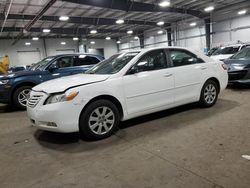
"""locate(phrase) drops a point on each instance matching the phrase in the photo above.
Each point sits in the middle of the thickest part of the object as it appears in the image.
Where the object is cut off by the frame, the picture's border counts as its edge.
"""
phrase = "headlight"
(3, 82)
(239, 67)
(61, 97)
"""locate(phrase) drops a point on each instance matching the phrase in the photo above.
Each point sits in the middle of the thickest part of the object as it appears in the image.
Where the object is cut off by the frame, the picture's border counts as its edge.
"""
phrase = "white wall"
(225, 31)
(53, 47)
(231, 30)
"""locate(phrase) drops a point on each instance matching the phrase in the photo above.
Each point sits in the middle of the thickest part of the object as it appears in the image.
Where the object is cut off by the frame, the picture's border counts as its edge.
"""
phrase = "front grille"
(237, 75)
(34, 100)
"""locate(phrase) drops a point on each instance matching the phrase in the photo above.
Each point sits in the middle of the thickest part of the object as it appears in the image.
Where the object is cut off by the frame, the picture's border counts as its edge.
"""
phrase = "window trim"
(184, 50)
(137, 61)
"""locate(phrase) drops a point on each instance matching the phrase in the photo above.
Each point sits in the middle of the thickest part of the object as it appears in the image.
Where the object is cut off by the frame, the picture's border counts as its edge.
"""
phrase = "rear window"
(227, 50)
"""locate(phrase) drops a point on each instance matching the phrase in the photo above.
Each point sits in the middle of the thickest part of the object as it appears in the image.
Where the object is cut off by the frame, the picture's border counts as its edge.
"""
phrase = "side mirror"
(53, 67)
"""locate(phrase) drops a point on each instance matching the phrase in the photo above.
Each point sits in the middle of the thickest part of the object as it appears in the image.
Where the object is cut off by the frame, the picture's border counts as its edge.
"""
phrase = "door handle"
(203, 68)
(168, 74)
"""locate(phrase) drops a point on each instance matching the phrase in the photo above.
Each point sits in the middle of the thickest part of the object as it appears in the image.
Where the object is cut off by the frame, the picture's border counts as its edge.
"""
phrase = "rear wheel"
(99, 120)
(21, 97)
(209, 94)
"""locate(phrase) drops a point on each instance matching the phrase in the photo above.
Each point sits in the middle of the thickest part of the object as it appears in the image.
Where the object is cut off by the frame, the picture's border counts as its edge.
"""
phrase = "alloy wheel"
(24, 96)
(101, 120)
(210, 93)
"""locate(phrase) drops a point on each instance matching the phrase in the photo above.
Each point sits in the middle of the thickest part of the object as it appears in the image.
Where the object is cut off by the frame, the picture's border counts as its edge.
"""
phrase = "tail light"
(224, 66)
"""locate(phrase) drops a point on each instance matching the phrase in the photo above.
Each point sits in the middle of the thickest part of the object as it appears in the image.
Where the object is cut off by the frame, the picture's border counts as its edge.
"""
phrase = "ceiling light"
(130, 32)
(160, 23)
(27, 43)
(242, 12)
(63, 43)
(75, 38)
(35, 38)
(118, 42)
(160, 32)
(209, 9)
(92, 42)
(193, 24)
(46, 30)
(164, 3)
(93, 31)
(136, 37)
(108, 38)
(119, 21)
(63, 18)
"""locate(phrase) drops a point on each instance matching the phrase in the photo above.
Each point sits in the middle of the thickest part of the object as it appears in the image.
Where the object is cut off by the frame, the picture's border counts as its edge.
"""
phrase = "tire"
(95, 127)
(209, 94)
(19, 94)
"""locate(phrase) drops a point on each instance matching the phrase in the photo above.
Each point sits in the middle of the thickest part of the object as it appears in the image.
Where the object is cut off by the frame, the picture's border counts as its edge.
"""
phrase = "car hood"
(21, 73)
(61, 84)
(237, 61)
(221, 56)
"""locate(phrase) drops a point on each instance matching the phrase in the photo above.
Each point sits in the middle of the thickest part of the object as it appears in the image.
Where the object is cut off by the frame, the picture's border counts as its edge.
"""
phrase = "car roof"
(69, 54)
(156, 48)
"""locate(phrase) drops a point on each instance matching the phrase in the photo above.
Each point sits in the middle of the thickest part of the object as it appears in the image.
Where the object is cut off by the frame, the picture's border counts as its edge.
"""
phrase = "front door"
(150, 85)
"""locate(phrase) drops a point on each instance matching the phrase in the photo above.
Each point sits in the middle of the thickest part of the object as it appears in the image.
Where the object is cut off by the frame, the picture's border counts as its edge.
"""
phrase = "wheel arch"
(111, 98)
(216, 80)
(20, 85)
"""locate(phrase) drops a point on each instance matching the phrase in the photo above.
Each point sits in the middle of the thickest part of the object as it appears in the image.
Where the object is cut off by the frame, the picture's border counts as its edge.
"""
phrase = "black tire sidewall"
(15, 97)
(203, 102)
(84, 128)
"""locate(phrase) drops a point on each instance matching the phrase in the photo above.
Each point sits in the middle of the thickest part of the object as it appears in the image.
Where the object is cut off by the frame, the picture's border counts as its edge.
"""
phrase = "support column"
(169, 34)
(208, 32)
(141, 40)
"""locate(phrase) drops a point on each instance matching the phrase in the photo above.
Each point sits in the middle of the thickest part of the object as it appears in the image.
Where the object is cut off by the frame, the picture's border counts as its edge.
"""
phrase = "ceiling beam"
(68, 31)
(128, 5)
(78, 20)
(33, 21)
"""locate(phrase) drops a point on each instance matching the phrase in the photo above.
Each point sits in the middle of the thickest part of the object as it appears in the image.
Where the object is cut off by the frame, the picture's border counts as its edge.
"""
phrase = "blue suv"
(15, 87)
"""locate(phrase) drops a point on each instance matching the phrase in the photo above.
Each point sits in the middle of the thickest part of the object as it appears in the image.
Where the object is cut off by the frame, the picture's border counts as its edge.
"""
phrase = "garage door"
(28, 57)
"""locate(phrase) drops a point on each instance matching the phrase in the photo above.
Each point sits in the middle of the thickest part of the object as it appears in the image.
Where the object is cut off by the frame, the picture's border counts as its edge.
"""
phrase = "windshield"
(226, 50)
(242, 55)
(210, 52)
(113, 64)
(41, 64)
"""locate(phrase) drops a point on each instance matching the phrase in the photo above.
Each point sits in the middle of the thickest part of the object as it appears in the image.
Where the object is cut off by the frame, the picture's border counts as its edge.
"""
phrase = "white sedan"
(125, 86)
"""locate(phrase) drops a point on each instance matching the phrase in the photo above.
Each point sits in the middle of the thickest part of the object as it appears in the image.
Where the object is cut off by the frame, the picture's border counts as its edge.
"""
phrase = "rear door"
(151, 86)
(188, 75)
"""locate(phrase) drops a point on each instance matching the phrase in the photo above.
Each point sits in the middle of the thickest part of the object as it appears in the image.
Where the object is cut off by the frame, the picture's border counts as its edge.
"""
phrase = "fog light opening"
(51, 124)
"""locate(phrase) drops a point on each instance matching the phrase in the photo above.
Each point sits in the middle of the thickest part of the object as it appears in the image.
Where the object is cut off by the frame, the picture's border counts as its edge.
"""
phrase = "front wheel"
(209, 94)
(99, 120)
(21, 97)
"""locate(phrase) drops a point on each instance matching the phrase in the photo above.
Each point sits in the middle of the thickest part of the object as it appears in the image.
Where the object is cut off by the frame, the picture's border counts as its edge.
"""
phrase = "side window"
(63, 62)
(183, 57)
(85, 60)
(152, 60)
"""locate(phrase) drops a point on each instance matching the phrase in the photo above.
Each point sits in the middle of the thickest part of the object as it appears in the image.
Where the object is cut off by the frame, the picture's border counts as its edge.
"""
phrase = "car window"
(244, 54)
(85, 60)
(153, 60)
(63, 62)
(227, 50)
(183, 57)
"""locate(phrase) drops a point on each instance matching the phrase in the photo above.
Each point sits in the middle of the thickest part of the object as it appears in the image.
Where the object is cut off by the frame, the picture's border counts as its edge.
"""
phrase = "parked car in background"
(226, 52)
(239, 67)
(211, 51)
(15, 87)
(125, 86)
(18, 68)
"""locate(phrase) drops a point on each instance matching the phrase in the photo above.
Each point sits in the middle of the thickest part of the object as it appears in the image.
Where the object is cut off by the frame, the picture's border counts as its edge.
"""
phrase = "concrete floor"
(183, 147)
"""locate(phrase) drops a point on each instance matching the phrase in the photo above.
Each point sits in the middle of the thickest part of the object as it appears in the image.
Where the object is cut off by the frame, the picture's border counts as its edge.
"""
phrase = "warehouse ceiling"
(28, 18)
